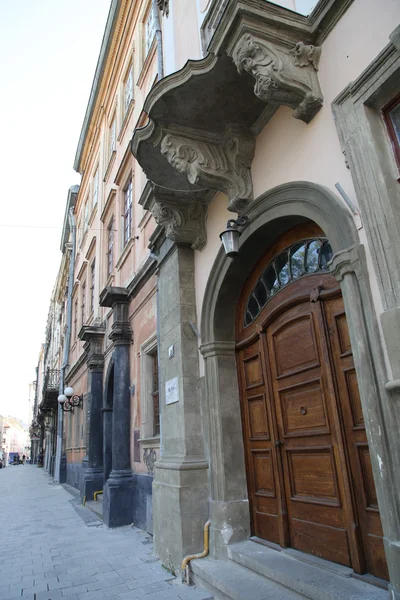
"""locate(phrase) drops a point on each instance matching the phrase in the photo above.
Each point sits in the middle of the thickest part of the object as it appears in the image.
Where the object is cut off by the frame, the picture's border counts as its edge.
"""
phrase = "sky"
(48, 56)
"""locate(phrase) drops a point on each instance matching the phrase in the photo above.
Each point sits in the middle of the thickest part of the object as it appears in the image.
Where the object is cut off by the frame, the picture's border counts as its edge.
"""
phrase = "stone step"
(315, 578)
(226, 580)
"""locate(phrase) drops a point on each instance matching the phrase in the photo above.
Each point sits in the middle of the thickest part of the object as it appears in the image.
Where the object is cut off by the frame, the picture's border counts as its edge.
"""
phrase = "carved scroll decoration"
(182, 223)
(282, 77)
(223, 165)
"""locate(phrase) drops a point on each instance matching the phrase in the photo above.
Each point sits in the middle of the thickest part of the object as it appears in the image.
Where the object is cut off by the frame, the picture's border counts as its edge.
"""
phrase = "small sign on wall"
(172, 391)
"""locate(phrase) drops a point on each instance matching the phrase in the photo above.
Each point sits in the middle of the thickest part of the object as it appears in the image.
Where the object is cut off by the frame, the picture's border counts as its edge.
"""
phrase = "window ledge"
(110, 165)
(151, 442)
(147, 62)
(126, 120)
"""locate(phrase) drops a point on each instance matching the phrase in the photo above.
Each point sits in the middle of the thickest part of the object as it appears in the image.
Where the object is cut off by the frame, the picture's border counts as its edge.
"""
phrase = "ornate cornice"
(282, 77)
(93, 335)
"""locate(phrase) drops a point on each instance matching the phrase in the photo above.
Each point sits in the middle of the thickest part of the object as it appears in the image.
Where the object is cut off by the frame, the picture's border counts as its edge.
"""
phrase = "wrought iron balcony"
(50, 388)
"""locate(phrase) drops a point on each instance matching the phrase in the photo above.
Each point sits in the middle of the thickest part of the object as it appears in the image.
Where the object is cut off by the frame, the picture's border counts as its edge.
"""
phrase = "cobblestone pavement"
(52, 549)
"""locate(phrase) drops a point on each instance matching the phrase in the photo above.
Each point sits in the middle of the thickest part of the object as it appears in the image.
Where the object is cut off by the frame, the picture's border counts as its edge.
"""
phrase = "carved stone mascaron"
(282, 77)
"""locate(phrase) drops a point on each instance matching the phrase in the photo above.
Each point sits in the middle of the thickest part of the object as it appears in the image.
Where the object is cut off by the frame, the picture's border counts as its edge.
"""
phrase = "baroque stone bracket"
(283, 76)
(220, 163)
(183, 217)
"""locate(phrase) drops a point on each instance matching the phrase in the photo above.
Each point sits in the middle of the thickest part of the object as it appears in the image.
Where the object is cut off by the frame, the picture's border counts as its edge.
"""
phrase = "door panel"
(262, 469)
(309, 472)
(313, 470)
(368, 522)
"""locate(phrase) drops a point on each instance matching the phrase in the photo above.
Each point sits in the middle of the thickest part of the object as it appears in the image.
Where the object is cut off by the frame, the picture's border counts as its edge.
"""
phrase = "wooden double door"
(308, 464)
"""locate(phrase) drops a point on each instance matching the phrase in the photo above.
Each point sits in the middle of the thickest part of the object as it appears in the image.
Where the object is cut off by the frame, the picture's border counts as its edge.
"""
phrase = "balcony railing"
(50, 386)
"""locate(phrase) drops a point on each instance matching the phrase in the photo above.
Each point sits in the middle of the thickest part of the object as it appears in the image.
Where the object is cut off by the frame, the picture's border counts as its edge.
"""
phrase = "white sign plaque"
(172, 391)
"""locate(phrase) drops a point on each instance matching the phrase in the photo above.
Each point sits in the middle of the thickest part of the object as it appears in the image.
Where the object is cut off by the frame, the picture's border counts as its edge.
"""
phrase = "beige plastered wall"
(289, 150)
(143, 320)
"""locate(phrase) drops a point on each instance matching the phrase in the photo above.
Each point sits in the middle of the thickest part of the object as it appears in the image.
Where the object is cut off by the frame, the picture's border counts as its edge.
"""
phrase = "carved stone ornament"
(282, 76)
(163, 6)
(182, 223)
(218, 164)
(149, 459)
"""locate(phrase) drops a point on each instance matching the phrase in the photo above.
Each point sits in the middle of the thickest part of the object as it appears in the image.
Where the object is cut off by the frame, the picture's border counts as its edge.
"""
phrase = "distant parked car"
(13, 458)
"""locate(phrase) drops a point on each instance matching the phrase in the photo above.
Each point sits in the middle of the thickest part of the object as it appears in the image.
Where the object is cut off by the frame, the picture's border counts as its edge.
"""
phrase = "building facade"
(258, 390)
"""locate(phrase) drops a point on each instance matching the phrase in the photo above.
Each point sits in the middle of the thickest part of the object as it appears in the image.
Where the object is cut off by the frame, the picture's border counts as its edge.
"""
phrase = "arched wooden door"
(308, 465)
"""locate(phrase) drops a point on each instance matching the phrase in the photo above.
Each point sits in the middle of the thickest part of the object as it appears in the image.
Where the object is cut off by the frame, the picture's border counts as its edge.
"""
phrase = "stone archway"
(270, 216)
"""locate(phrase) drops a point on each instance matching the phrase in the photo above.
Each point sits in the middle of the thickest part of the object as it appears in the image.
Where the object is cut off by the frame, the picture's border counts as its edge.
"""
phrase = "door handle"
(278, 443)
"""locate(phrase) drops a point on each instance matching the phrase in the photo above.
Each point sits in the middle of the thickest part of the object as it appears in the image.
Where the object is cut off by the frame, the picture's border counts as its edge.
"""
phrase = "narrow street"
(53, 548)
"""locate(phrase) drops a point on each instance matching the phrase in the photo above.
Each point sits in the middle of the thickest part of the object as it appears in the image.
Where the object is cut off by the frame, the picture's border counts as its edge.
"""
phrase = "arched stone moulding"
(270, 215)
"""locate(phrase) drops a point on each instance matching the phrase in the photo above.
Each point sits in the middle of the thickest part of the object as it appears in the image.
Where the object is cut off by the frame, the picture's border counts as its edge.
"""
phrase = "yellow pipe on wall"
(97, 494)
(187, 559)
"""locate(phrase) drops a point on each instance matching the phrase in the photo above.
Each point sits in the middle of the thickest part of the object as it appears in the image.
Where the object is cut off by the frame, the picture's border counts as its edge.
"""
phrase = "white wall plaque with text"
(172, 391)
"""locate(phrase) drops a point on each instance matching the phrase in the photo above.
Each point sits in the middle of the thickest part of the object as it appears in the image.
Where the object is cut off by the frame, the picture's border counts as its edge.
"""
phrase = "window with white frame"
(128, 212)
(112, 140)
(128, 89)
(92, 282)
(110, 247)
(83, 303)
(75, 319)
(95, 194)
(149, 31)
(149, 395)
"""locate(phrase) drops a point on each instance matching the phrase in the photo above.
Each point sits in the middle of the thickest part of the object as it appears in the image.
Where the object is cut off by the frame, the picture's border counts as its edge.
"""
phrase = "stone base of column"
(92, 482)
(118, 499)
(63, 469)
(392, 550)
(230, 523)
(180, 510)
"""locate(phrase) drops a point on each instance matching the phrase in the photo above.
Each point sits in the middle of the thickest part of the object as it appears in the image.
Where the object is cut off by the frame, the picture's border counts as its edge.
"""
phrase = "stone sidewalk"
(51, 548)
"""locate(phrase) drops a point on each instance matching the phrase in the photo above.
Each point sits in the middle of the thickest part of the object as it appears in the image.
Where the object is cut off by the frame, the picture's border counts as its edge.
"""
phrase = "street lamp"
(230, 237)
(68, 400)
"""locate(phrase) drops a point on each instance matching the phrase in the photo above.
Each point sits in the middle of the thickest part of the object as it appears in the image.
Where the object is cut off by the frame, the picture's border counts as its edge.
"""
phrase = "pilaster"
(118, 489)
(180, 486)
(93, 336)
(381, 415)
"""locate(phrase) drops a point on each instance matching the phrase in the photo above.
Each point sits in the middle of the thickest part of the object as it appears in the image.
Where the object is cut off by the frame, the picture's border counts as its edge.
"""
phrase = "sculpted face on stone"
(179, 155)
(282, 76)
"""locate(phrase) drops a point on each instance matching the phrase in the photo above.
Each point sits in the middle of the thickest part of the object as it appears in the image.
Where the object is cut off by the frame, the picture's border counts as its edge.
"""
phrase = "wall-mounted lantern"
(68, 400)
(230, 237)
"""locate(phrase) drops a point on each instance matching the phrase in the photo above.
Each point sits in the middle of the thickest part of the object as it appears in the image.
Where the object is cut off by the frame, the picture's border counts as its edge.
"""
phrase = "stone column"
(229, 505)
(380, 412)
(118, 490)
(93, 476)
(180, 485)
(107, 441)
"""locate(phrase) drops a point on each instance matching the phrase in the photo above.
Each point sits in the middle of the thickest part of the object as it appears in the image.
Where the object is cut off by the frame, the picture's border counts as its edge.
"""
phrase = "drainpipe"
(157, 23)
(60, 422)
